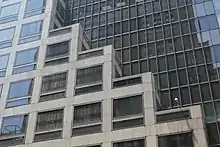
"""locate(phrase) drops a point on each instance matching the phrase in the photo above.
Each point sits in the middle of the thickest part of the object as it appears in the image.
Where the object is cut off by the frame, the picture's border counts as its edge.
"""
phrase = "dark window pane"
(133, 143)
(127, 106)
(173, 79)
(87, 113)
(212, 133)
(195, 94)
(179, 140)
(54, 82)
(56, 50)
(182, 77)
(49, 120)
(89, 75)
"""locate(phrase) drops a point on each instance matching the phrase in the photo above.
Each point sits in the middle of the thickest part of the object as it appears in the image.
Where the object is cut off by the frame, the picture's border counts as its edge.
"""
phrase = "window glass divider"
(53, 91)
(128, 117)
(87, 124)
(48, 131)
(57, 57)
(88, 85)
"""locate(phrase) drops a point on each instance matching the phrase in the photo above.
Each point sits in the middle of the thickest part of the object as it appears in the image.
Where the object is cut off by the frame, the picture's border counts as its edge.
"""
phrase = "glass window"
(215, 36)
(34, 7)
(6, 37)
(87, 119)
(51, 124)
(3, 64)
(49, 120)
(57, 53)
(25, 60)
(200, 10)
(87, 113)
(178, 140)
(21, 90)
(89, 75)
(127, 106)
(14, 124)
(212, 133)
(9, 13)
(173, 79)
(133, 143)
(163, 80)
(54, 82)
(30, 32)
(183, 79)
(209, 8)
(215, 53)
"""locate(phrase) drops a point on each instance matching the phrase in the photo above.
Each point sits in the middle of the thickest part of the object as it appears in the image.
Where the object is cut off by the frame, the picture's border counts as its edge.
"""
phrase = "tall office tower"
(177, 40)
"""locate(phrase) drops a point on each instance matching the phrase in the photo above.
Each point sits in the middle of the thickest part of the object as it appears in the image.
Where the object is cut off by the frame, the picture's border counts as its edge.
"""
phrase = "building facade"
(48, 97)
(56, 91)
(177, 40)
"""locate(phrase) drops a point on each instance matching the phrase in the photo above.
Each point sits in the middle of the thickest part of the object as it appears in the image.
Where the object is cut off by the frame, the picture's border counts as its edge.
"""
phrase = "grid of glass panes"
(177, 40)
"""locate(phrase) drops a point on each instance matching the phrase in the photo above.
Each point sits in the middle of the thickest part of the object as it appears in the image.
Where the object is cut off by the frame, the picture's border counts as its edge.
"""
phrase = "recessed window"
(6, 37)
(89, 80)
(9, 13)
(131, 143)
(53, 87)
(20, 93)
(3, 64)
(89, 75)
(174, 116)
(178, 140)
(49, 125)
(34, 7)
(87, 119)
(57, 53)
(25, 61)
(127, 112)
(14, 129)
(30, 32)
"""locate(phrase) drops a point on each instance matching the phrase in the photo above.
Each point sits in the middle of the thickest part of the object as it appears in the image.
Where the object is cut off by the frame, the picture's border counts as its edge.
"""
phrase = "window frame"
(4, 69)
(168, 136)
(129, 140)
(50, 130)
(21, 136)
(10, 41)
(128, 117)
(34, 12)
(31, 37)
(89, 83)
(94, 84)
(12, 17)
(56, 90)
(88, 123)
(59, 57)
(26, 64)
(18, 98)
